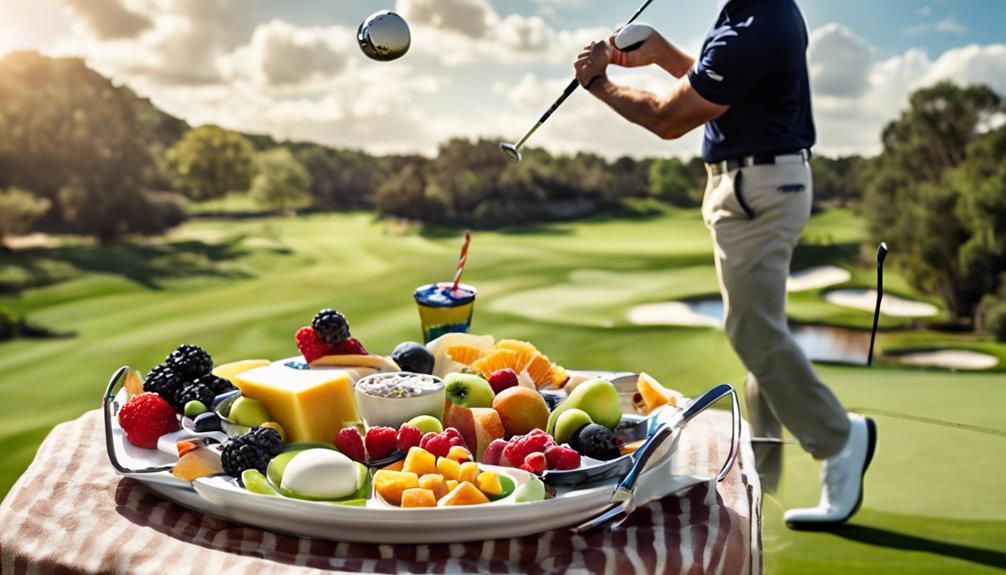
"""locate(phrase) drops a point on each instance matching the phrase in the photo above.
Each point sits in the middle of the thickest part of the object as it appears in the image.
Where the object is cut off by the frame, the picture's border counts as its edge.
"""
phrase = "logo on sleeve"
(718, 37)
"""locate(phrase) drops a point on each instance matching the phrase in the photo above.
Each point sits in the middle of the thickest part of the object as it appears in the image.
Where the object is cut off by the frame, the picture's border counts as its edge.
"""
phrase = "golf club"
(881, 255)
(633, 38)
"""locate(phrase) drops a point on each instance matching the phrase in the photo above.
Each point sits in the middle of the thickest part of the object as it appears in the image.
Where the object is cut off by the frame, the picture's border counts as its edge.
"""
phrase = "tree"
(937, 194)
(670, 182)
(282, 182)
(18, 212)
(208, 162)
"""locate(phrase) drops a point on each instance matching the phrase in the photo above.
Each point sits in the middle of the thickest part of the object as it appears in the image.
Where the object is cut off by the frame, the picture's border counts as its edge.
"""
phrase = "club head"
(511, 152)
(384, 36)
(881, 254)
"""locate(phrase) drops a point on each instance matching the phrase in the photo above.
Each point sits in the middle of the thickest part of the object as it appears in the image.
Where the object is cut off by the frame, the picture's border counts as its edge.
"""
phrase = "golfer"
(749, 86)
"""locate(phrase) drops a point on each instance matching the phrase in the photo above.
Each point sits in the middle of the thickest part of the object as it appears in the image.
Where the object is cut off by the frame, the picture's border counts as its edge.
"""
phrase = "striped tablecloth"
(70, 513)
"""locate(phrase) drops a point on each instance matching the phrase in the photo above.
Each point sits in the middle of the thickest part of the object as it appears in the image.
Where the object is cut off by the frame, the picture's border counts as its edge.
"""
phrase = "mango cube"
(435, 483)
(451, 484)
(469, 471)
(459, 454)
(417, 497)
(310, 404)
(391, 485)
(489, 483)
(449, 468)
(395, 466)
(464, 494)
(420, 461)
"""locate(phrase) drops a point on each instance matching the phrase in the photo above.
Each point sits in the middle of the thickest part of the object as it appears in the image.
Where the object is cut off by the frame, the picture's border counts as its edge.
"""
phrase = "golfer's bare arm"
(669, 117)
(672, 59)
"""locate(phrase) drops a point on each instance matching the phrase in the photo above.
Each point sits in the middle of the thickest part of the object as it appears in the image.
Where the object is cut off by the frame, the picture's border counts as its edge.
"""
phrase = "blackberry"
(191, 361)
(218, 385)
(596, 441)
(164, 381)
(330, 326)
(251, 450)
(193, 392)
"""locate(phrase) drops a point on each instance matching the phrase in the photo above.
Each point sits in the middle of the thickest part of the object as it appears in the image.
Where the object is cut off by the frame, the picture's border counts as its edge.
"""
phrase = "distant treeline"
(79, 154)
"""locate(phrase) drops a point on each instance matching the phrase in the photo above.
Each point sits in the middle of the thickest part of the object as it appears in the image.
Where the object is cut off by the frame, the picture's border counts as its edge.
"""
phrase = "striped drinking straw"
(462, 260)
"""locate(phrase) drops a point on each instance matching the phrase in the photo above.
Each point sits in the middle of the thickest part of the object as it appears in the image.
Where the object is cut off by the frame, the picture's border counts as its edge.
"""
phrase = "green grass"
(241, 288)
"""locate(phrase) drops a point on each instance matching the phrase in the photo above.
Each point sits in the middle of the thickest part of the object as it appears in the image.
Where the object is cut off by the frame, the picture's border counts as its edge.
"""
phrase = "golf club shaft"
(881, 256)
(572, 86)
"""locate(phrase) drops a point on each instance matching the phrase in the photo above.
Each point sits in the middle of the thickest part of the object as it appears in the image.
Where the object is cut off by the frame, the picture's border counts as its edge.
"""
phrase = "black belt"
(727, 166)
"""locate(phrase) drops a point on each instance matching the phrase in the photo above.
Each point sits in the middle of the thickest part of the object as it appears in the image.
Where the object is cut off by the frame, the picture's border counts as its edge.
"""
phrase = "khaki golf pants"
(756, 215)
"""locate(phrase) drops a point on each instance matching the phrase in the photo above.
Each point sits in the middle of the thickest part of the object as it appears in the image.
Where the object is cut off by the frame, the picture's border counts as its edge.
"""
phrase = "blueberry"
(552, 400)
(414, 357)
(596, 441)
(207, 422)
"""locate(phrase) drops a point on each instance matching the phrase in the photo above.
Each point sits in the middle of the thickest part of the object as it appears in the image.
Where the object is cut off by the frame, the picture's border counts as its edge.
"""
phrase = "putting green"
(241, 289)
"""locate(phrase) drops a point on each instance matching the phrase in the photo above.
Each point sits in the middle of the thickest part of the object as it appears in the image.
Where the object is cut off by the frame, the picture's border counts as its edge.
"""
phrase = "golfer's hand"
(645, 55)
(592, 62)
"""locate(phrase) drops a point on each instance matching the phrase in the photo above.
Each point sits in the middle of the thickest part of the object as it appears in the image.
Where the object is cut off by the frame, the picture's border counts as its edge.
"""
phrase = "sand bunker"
(892, 306)
(817, 277)
(673, 313)
(949, 359)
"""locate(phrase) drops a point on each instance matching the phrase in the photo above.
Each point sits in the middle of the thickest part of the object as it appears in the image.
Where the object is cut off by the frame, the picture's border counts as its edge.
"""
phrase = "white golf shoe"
(841, 480)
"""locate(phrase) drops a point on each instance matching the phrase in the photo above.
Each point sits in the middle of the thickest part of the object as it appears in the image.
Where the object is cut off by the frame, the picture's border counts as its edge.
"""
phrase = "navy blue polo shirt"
(754, 59)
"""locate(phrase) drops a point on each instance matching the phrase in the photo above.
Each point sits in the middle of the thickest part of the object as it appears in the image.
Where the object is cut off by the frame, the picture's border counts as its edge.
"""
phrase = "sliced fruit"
(469, 471)
(451, 484)
(654, 395)
(464, 354)
(525, 352)
(418, 497)
(186, 446)
(254, 481)
(443, 364)
(235, 368)
(478, 426)
(379, 362)
(133, 383)
(449, 468)
(396, 466)
(540, 370)
(558, 376)
(392, 484)
(196, 464)
(459, 454)
(464, 494)
(533, 490)
(494, 361)
(632, 446)
(488, 482)
(420, 461)
(435, 483)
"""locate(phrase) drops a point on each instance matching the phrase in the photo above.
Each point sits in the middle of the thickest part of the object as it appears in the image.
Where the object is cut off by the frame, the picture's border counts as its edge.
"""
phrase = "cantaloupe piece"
(451, 484)
(420, 461)
(449, 468)
(392, 484)
(489, 483)
(418, 497)
(469, 471)
(435, 483)
(196, 464)
(459, 454)
(464, 494)
(654, 395)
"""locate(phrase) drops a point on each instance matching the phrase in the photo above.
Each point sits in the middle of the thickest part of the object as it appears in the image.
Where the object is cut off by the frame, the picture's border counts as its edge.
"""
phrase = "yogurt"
(391, 399)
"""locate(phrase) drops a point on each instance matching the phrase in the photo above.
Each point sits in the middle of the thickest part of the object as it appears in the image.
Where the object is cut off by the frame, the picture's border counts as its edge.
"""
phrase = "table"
(69, 513)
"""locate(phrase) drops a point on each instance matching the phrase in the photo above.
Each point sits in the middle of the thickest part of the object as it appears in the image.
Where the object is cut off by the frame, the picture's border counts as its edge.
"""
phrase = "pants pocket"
(739, 194)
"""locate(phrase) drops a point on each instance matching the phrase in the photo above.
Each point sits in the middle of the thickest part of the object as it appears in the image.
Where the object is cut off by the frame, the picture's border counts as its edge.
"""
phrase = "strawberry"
(145, 418)
(520, 446)
(381, 442)
(350, 443)
(503, 379)
(562, 457)
(310, 346)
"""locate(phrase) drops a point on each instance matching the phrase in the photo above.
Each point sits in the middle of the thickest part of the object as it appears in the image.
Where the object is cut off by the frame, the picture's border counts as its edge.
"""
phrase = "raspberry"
(535, 463)
(491, 456)
(440, 444)
(520, 446)
(309, 345)
(331, 326)
(349, 442)
(503, 379)
(408, 436)
(145, 418)
(380, 442)
(562, 457)
(351, 346)
(452, 432)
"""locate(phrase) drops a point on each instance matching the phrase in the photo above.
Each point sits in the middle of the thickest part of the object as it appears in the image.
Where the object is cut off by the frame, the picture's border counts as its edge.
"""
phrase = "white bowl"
(394, 411)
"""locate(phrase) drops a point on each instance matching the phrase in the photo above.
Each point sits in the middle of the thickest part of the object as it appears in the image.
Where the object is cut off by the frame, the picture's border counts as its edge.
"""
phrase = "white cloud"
(840, 61)
(282, 54)
(950, 25)
(109, 19)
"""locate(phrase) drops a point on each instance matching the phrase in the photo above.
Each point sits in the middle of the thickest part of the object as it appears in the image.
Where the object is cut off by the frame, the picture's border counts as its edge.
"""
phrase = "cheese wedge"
(311, 405)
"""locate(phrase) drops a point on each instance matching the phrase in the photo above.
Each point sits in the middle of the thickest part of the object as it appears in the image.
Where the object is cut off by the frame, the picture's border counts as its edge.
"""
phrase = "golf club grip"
(565, 94)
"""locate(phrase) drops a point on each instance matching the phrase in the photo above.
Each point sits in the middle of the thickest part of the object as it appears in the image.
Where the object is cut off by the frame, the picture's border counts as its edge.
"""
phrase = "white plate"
(375, 522)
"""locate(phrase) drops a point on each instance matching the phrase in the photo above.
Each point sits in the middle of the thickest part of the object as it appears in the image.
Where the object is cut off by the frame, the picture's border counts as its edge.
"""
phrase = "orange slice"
(525, 352)
(464, 354)
(494, 361)
(540, 369)
(558, 375)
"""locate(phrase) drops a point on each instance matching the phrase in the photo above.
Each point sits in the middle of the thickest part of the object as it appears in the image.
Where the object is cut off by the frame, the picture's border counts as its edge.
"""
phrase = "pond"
(819, 342)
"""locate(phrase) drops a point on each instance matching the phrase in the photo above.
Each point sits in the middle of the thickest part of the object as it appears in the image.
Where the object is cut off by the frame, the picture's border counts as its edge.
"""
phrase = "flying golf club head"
(384, 36)
(881, 253)
(511, 152)
(632, 36)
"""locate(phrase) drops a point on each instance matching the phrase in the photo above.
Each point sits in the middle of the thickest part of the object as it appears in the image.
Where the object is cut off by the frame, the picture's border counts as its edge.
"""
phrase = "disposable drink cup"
(443, 309)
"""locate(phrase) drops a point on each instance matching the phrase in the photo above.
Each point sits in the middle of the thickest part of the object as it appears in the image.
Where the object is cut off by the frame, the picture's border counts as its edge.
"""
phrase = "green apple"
(248, 411)
(468, 390)
(568, 422)
(533, 490)
(598, 398)
(254, 481)
(426, 424)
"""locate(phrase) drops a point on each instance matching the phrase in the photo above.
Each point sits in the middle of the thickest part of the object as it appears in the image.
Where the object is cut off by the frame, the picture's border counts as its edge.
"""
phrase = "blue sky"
(484, 67)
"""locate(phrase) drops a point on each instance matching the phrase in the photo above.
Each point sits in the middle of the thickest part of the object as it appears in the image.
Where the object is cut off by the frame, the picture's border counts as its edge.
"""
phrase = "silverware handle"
(643, 455)
(702, 403)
